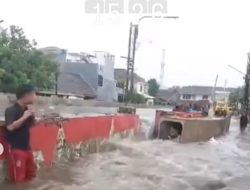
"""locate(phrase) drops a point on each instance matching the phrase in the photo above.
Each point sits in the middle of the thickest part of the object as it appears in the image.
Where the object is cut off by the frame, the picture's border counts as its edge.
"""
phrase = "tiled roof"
(70, 83)
(120, 76)
(202, 90)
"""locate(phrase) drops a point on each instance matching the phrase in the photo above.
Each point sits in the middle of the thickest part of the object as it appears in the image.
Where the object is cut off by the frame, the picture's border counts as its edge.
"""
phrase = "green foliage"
(135, 99)
(121, 84)
(236, 96)
(153, 87)
(21, 62)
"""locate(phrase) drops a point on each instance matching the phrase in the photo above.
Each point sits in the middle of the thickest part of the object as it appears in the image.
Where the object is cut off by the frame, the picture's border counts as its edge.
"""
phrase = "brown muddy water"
(142, 164)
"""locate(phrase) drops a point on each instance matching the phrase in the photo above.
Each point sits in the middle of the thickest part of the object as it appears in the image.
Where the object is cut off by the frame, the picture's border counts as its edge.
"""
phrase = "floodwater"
(141, 164)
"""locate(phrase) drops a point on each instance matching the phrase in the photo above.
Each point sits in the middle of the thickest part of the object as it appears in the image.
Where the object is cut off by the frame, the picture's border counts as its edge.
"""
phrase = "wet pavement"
(141, 164)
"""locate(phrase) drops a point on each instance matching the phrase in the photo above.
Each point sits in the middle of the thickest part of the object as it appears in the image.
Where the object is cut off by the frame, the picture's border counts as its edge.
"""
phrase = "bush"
(136, 99)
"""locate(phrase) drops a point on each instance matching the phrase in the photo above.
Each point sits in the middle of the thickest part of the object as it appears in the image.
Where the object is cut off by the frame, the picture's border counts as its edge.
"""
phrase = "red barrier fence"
(125, 122)
(82, 129)
(44, 136)
(3, 146)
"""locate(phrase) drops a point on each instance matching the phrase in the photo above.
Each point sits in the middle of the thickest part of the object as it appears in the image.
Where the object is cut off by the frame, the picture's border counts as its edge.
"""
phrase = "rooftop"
(203, 90)
(72, 83)
(120, 76)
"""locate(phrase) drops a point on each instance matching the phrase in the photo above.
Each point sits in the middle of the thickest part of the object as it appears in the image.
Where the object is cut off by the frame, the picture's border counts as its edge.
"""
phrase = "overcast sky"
(209, 35)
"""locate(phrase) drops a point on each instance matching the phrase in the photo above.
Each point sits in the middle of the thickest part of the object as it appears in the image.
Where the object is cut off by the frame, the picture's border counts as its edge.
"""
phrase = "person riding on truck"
(19, 118)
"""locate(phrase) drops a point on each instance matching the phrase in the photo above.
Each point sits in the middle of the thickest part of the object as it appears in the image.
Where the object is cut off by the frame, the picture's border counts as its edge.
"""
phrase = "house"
(56, 53)
(79, 57)
(81, 75)
(192, 94)
(73, 57)
(168, 96)
(140, 85)
(197, 93)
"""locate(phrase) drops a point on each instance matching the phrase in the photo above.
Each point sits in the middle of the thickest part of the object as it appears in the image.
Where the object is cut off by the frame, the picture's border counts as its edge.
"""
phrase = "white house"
(140, 85)
(197, 93)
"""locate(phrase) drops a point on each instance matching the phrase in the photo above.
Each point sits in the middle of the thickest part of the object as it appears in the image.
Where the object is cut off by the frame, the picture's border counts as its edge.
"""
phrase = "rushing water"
(141, 164)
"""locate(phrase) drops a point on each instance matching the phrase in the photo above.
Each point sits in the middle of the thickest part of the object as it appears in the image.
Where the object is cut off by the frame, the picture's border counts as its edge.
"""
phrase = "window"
(101, 68)
(205, 97)
(100, 80)
(141, 88)
(186, 96)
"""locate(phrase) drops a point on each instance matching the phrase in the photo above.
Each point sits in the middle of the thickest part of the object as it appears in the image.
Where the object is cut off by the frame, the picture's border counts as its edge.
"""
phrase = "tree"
(21, 62)
(121, 84)
(153, 87)
(237, 96)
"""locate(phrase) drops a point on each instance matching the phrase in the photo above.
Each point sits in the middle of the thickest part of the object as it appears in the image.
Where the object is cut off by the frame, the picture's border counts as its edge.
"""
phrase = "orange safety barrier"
(125, 122)
(3, 146)
(77, 130)
(43, 138)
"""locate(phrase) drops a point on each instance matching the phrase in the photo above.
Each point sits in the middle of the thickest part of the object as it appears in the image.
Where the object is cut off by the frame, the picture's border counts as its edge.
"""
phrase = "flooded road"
(143, 164)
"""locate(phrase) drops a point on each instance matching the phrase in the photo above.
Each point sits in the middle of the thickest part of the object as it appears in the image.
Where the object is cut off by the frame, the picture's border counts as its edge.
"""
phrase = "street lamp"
(239, 71)
(157, 17)
(133, 35)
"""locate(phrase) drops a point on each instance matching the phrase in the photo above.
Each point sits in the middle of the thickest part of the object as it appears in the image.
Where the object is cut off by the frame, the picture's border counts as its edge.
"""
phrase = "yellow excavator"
(222, 108)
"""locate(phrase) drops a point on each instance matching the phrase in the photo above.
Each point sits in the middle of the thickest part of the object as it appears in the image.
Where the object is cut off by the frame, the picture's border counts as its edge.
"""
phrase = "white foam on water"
(213, 141)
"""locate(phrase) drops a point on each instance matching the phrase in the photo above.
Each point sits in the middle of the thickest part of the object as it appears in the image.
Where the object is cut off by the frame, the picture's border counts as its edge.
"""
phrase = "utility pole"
(162, 71)
(214, 89)
(247, 78)
(133, 34)
(56, 86)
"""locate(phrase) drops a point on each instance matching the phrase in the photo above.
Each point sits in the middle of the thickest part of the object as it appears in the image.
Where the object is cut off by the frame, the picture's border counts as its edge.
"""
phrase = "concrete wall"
(107, 92)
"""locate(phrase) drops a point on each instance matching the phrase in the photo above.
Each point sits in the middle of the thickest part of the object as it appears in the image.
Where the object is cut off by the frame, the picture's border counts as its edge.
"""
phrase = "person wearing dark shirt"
(19, 118)
(243, 121)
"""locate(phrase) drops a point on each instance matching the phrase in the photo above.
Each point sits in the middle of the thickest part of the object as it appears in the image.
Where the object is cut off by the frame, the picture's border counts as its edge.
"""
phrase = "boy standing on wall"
(19, 119)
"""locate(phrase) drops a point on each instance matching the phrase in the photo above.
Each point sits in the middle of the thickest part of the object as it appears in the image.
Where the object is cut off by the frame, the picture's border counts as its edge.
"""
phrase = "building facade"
(197, 93)
(140, 85)
(85, 75)
(192, 94)
(106, 82)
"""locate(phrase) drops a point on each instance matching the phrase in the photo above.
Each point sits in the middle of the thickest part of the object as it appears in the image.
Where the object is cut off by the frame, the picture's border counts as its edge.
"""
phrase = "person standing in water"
(243, 121)
(19, 118)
